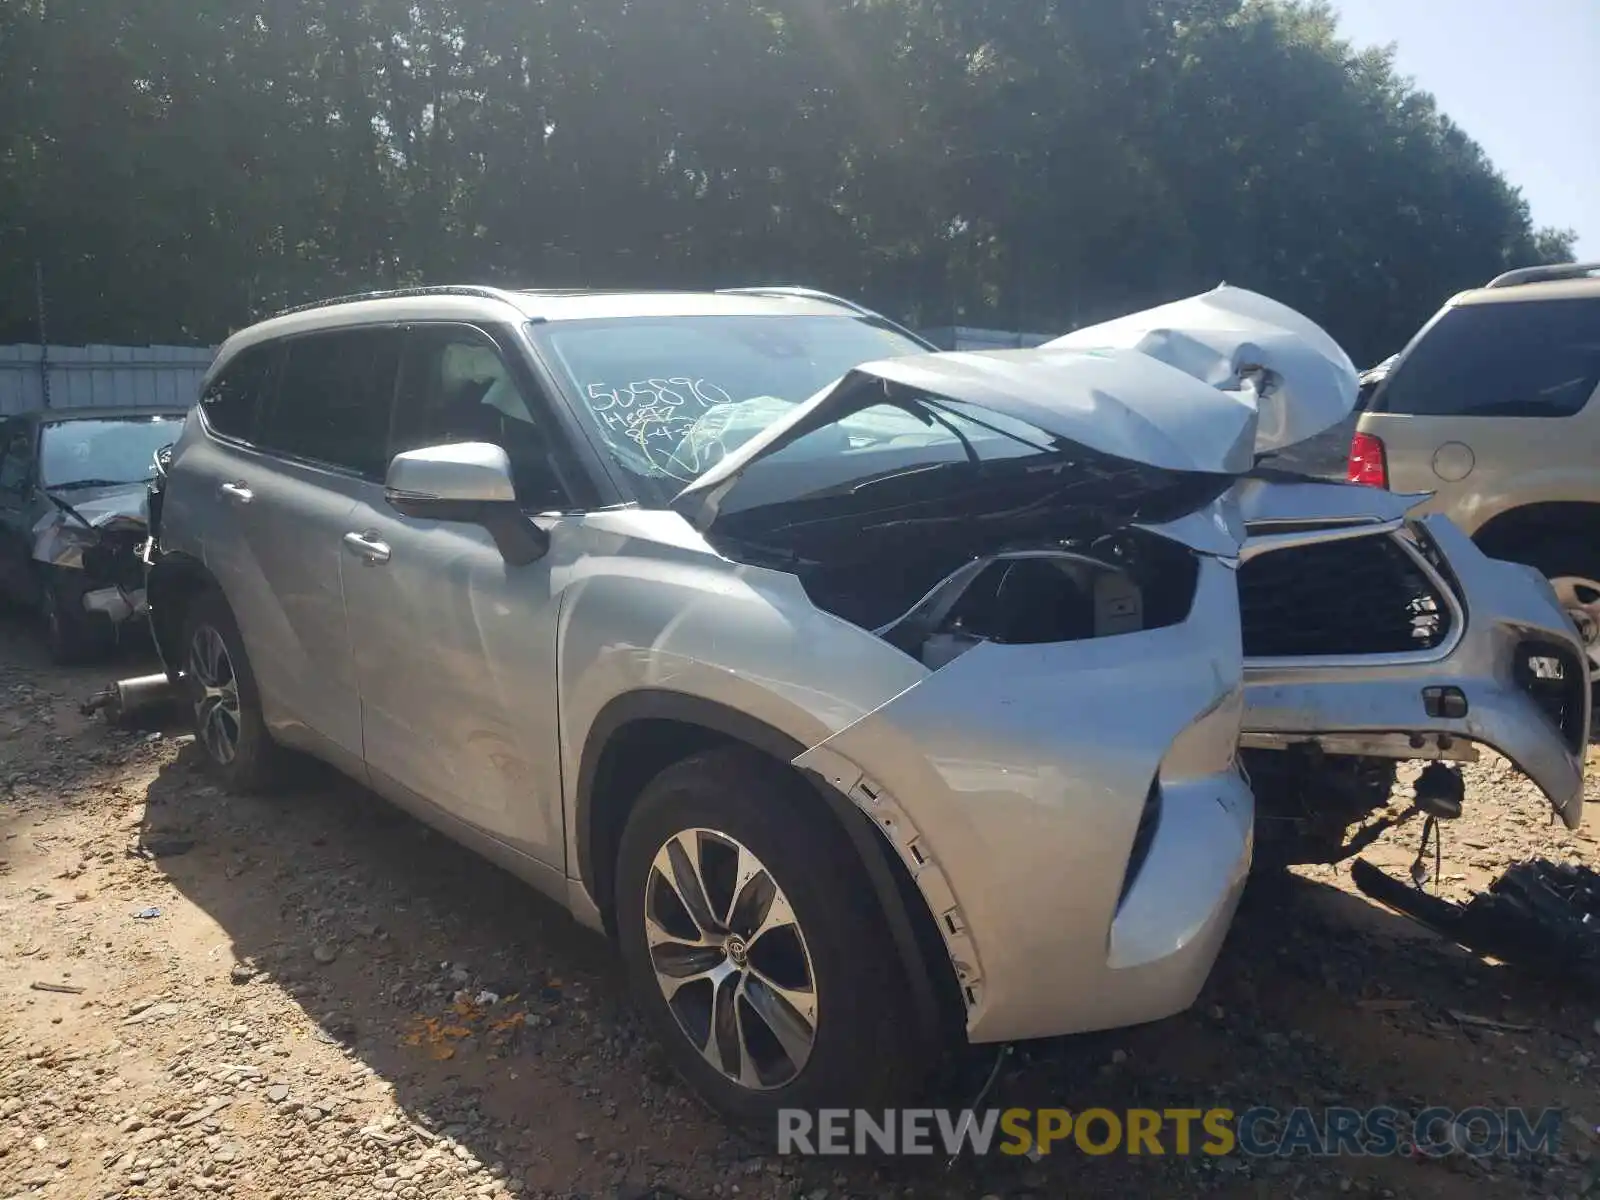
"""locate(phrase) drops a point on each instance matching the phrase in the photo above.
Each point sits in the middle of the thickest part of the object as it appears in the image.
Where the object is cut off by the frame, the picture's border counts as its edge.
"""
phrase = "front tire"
(755, 948)
(222, 692)
(72, 637)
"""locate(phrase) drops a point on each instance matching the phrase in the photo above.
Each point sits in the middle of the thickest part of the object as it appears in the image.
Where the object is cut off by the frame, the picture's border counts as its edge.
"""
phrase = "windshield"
(880, 449)
(670, 396)
(101, 452)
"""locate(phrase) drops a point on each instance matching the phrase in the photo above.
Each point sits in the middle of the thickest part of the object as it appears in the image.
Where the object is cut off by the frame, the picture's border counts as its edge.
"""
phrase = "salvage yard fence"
(64, 377)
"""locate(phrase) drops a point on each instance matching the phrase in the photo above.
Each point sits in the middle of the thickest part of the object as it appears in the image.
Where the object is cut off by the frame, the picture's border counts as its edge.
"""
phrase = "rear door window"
(333, 397)
(1539, 358)
(231, 400)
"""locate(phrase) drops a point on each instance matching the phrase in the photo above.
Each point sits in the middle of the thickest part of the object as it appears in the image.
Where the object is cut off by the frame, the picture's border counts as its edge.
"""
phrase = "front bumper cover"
(1503, 606)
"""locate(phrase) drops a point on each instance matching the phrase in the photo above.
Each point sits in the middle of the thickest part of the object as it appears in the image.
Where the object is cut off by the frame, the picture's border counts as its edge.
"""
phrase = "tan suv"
(1492, 409)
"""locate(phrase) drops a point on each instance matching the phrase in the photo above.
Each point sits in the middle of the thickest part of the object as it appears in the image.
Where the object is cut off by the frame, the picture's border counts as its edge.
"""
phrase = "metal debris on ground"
(163, 847)
(1465, 1018)
(147, 914)
(1540, 915)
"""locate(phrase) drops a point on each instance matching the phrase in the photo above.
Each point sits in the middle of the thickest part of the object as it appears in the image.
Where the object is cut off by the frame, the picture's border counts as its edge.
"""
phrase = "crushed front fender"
(1073, 814)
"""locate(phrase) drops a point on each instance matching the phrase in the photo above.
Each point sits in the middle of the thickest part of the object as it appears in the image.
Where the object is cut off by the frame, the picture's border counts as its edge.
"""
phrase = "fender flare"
(872, 849)
(171, 577)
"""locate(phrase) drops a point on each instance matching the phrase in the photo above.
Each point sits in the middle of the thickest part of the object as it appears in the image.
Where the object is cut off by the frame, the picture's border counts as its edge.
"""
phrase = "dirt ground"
(314, 997)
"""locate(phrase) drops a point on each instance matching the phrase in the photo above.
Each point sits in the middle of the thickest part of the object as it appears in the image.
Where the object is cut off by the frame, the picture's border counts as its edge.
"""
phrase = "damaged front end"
(1404, 643)
(93, 548)
(1062, 786)
(915, 481)
(1370, 636)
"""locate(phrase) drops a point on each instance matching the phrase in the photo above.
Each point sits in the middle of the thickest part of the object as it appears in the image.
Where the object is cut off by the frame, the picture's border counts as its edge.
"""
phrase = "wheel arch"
(1510, 534)
(639, 734)
(172, 584)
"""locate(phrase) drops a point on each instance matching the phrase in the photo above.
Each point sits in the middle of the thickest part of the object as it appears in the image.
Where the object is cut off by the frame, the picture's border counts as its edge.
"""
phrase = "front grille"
(1553, 676)
(1358, 596)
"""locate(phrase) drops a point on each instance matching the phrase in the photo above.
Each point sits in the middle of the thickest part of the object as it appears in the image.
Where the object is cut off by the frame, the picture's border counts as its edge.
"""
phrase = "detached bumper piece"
(1493, 660)
(117, 605)
(1538, 915)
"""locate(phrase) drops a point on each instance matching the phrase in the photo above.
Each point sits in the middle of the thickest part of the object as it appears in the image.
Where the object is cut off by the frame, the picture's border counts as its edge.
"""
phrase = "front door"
(454, 649)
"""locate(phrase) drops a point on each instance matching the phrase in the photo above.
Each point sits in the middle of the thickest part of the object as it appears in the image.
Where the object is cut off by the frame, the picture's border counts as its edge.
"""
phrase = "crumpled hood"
(102, 506)
(1116, 402)
(1268, 355)
(58, 536)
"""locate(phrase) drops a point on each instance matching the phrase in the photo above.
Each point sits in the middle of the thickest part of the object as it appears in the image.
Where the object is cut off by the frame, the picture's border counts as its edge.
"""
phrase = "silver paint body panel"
(1010, 781)
(468, 690)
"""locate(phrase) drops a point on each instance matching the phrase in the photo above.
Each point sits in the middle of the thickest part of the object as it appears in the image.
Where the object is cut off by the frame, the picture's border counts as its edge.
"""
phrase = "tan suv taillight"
(1368, 463)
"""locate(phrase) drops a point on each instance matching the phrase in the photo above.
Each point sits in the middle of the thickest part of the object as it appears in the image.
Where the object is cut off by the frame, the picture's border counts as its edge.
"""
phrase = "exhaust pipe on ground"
(123, 699)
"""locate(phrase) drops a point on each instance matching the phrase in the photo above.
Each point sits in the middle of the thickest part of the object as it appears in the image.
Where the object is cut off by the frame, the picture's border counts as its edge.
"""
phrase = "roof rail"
(1544, 274)
(482, 292)
(801, 293)
(805, 293)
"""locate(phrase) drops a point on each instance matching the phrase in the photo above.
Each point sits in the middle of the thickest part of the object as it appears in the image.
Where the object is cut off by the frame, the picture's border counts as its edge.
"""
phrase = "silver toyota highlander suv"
(866, 696)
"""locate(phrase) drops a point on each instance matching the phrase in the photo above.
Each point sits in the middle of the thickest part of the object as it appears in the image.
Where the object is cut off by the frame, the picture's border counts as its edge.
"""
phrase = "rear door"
(315, 450)
(1493, 401)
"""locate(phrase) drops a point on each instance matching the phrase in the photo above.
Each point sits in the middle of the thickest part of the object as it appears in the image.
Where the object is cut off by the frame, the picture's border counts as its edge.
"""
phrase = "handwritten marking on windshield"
(654, 392)
(684, 454)
(667, 420)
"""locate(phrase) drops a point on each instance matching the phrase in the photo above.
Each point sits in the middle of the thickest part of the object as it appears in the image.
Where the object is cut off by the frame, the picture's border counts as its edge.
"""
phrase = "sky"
(1522, 77)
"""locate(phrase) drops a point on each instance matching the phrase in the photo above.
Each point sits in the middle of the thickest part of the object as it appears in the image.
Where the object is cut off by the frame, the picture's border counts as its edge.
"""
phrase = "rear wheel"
(755, 948)
(221, 690)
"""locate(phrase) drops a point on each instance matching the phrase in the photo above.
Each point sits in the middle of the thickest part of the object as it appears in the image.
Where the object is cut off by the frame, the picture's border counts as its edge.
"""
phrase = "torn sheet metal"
(1285, 365)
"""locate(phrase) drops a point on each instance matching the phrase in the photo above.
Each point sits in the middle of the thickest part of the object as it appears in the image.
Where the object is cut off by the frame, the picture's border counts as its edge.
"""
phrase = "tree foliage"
(176, 168)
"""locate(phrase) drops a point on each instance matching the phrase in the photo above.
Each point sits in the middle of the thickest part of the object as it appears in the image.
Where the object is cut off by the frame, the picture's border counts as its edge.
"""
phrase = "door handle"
(367, 545)
(236, 492)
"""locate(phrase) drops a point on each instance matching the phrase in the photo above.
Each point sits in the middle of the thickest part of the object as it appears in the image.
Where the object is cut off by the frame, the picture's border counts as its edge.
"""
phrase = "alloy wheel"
(731, 959)
(1580, 596)
(216, 705)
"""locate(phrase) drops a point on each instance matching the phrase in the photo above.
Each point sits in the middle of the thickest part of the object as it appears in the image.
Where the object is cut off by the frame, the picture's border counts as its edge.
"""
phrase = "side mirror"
(469, 482)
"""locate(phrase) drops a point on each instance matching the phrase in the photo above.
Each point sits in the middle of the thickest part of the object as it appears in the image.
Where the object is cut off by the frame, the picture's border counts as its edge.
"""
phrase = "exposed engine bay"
(1119, 584)
(101, 544)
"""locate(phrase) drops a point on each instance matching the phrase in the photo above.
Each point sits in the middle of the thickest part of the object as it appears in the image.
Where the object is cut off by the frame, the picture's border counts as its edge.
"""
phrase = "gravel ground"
(314, 997)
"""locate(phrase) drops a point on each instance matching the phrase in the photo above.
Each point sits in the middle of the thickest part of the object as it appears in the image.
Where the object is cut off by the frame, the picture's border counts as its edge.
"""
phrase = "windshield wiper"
(928, 414)
(862, 485)
(70, 511)
(981, 424)
(75, 484)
